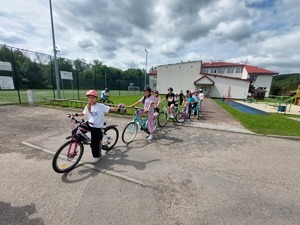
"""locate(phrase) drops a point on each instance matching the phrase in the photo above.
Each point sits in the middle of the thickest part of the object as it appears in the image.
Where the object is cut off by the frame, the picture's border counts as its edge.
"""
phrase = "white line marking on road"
(91, 166)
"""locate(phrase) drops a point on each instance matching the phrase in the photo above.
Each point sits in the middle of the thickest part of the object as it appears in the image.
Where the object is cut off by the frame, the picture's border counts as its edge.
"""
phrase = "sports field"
(11, 96)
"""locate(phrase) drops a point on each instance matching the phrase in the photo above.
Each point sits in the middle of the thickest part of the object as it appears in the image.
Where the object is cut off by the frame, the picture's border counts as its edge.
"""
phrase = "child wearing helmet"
(148, 101)
(104, 95)
(95, 113)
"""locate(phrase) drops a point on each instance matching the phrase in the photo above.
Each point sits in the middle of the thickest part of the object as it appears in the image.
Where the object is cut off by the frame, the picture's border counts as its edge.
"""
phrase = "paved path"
(216, 118)
(188, 176)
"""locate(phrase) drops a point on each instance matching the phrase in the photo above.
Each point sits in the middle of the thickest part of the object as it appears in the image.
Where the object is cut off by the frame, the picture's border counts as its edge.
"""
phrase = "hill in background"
(284, 83)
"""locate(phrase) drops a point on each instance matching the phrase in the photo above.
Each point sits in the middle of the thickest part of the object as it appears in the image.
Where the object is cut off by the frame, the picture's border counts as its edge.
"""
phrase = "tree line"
(284, 83)
(36, 71)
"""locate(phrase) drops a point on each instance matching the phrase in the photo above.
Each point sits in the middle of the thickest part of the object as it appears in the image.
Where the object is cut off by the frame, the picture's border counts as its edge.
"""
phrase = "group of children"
(95, 111)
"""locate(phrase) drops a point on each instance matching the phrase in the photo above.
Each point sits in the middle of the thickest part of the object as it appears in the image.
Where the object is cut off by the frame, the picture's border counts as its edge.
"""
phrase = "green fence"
(22, 70)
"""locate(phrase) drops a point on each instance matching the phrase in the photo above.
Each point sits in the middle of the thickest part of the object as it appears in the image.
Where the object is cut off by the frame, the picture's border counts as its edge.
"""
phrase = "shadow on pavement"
(18, 215)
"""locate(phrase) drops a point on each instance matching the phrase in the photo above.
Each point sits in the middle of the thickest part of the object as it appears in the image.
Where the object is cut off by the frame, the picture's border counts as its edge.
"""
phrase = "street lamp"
(146, 67)
(55, 51)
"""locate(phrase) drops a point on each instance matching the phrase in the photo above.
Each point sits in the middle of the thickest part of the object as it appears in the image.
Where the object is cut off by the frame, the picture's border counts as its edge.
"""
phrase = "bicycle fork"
(71, 154)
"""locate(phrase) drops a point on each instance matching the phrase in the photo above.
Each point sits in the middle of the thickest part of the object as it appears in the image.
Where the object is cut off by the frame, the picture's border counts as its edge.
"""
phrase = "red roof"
(255, 69)
(220, 64)
(218, 75)
(250, 69)
(153, 72)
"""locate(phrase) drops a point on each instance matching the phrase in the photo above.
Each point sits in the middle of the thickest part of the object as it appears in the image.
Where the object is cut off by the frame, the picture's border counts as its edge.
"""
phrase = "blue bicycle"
(131, 128)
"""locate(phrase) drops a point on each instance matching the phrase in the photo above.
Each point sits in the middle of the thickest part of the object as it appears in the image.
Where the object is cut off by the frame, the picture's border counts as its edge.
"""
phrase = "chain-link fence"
(22, 70)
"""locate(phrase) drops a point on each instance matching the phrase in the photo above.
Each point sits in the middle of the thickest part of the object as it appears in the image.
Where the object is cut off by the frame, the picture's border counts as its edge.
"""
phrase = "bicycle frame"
(137, 119)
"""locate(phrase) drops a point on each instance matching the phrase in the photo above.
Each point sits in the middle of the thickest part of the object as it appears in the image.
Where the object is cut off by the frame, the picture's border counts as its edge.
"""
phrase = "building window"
(213, 70)
(221, 70)
(238, 70)
(253, 78)
(229, 70)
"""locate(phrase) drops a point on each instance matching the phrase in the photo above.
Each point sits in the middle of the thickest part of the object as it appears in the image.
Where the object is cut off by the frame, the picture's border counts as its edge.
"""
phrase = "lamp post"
(55, 51)
(146, 67)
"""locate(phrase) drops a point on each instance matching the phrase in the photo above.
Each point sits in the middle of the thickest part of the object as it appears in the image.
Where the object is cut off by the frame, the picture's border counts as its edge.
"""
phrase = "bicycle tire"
(57, 156)
(198, 113)
(115, 140)
(181, 117)
(109, 102)
(134, 128)
(162, 119)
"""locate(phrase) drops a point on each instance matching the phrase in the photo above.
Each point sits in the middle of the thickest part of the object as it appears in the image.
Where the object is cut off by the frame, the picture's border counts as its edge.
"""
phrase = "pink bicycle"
(70, 153)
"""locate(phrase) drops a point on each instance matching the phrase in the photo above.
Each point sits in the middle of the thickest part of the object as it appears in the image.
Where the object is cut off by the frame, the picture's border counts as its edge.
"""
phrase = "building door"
(206, 88)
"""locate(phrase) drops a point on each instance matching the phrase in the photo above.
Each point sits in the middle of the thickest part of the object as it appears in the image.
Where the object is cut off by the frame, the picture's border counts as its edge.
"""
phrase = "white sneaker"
(95, 160)
(171, 116)
(150, 137)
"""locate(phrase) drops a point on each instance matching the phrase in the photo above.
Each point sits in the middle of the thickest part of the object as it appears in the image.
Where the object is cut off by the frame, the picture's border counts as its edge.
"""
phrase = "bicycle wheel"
(198, 113)
(181, 117)
(110, 138)
(67, 156)
(162, 119)
(110, 102)
(129, 132)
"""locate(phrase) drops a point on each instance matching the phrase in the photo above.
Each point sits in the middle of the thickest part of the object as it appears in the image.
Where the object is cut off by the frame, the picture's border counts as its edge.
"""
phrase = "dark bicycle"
(70, 153)
(106, 101)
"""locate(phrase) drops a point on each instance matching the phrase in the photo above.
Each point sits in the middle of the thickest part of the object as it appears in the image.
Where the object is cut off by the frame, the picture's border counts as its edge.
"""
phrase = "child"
(156, 101)
(95, 112)
(171, 102)
(148, 102)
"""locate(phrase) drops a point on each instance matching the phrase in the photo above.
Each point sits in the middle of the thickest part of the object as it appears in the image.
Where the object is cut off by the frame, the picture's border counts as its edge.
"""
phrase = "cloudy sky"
(266, 33)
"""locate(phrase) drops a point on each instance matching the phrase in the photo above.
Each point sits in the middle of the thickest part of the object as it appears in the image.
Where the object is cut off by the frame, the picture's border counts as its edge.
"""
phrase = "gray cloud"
(171, 30)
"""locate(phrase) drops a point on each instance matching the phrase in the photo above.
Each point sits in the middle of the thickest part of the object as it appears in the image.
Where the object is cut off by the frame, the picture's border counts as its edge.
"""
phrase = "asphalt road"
(184, 176)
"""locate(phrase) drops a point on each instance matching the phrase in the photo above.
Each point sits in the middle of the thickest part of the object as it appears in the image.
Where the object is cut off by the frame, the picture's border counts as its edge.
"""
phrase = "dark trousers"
(96, 136)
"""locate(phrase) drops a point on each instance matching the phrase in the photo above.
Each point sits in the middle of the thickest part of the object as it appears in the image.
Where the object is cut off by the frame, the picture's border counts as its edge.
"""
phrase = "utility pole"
(55, 51)
(146, 67)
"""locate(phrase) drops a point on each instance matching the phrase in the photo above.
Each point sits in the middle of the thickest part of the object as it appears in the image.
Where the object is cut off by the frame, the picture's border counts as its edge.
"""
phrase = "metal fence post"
(15, 74)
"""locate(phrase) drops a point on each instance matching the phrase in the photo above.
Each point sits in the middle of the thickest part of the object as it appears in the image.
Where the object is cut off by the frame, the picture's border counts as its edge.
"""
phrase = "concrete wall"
(153, 82)
(180, 76)
(239, 88)
(264, 81)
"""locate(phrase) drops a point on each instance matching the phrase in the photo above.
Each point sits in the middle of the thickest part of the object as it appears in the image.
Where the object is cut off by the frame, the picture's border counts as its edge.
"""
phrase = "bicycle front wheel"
(162, 119)
(198, 113)
(110, 138)
(129, 132)
(181, 117)
(67, 156)
(110, 102)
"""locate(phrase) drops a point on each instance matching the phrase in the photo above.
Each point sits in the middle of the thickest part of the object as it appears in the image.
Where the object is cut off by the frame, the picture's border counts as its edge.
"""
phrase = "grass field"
(11, 96)
(272, 124)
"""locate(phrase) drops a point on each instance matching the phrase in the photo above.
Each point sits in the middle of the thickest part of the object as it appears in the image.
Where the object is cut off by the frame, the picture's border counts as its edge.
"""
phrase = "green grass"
(272, 124)
(11, 96)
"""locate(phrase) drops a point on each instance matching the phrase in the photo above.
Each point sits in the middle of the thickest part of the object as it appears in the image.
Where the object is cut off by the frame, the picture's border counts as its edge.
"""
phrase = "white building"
(217, 79)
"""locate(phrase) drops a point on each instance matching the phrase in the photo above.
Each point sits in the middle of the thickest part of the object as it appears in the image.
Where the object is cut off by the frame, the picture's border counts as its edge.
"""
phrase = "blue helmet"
(106, 89)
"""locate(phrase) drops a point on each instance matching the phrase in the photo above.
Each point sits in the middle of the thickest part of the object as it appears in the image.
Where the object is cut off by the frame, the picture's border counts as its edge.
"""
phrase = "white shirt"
(103, 95)
(201, 95)
(96, 116)
(197, 98)
(148, 101)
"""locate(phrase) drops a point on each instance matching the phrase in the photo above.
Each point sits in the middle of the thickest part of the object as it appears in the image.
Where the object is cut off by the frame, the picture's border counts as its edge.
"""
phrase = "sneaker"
(95, 160)
(171, 116)
(150, 137)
